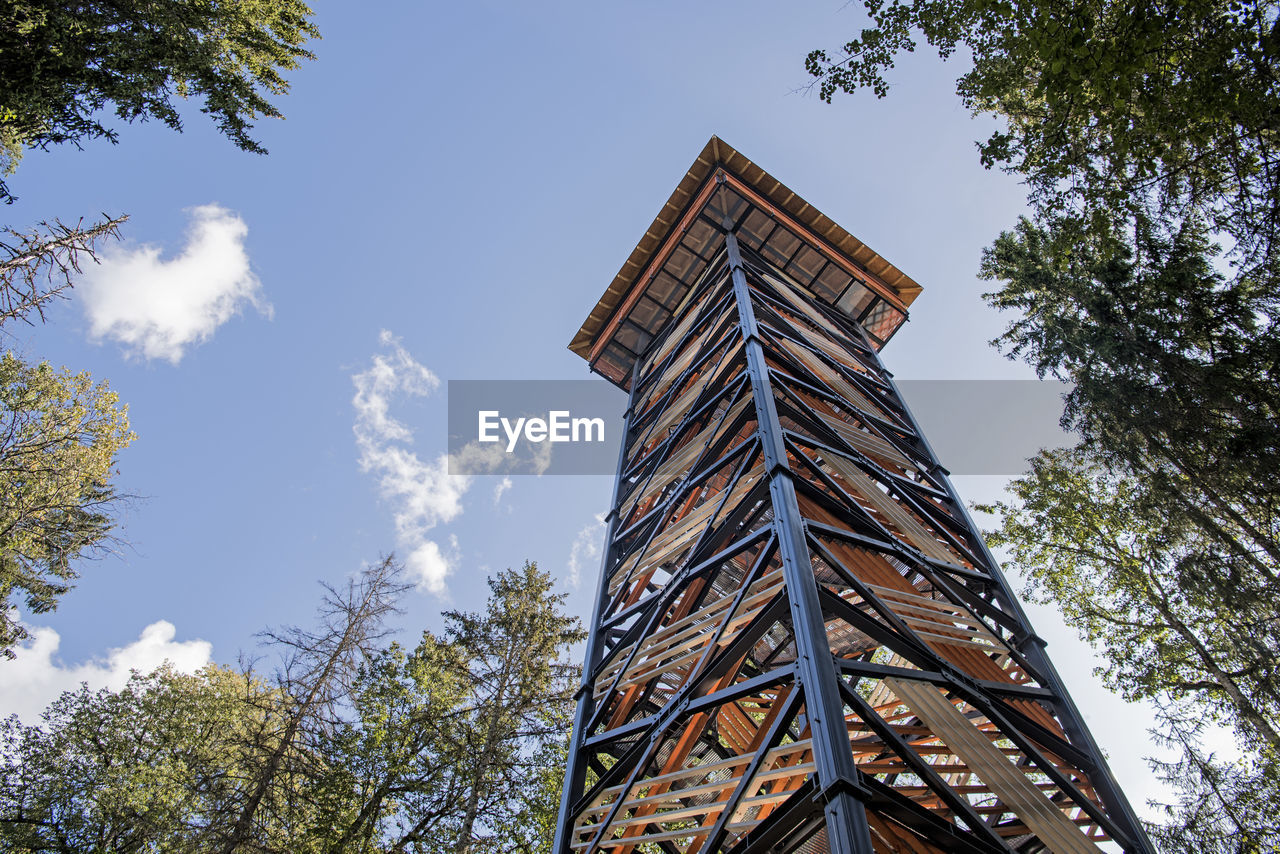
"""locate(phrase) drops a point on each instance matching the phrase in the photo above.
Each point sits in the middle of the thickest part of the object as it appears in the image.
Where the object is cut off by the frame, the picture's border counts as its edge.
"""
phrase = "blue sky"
(454, 187)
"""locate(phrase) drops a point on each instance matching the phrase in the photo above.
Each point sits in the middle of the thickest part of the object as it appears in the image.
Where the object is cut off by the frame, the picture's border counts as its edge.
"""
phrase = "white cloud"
(423, 494)
(478, 458)
(157, 307)
(34, 678)
(501, 489)
(389, 375)
(542, 458)
(586, 548)
(429, 566)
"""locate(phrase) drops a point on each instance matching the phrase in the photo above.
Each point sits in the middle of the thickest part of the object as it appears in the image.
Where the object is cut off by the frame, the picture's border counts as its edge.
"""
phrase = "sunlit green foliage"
(352, 748)
(59, 436)
(460, 745)
(1174, 613)
(156, 766)
(1144, 132)
(1181, 620)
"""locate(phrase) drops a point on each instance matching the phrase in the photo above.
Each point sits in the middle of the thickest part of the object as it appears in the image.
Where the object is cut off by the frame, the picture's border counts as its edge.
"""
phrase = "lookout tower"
(800, 641)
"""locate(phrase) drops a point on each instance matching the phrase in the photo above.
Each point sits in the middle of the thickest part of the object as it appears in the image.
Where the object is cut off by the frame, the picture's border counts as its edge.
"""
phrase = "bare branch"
(37, 266)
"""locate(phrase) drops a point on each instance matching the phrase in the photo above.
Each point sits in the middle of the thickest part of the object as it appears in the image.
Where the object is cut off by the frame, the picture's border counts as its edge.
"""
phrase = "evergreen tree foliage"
(63, 64)
(1109, 109)
(354, 745)
(519, 710)
(1176, 374)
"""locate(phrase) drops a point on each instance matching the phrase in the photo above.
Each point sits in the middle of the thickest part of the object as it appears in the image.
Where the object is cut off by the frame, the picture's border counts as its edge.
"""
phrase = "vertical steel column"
(1072, 722)
(574, 772)
(847, 828)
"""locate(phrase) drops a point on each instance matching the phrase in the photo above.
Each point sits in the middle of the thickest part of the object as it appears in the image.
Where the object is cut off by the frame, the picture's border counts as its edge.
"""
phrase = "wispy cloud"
(158, 307)
(585, 549)
(34, 678)
(500, 490)
(423, 494)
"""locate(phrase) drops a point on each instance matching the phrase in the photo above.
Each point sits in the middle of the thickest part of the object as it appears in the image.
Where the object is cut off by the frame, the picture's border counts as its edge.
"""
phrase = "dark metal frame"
(722, 601)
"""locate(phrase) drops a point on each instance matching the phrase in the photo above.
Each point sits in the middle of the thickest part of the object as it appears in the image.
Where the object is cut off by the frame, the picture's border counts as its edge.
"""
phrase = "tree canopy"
(156, 766)
(1111, 108)
(59, 436)
(63, 66)
(354, 746)
(1174, 372)
(1180, 619)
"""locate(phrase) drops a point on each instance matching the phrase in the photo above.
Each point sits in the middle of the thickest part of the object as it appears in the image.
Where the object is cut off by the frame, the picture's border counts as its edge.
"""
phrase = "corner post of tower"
(847, 828)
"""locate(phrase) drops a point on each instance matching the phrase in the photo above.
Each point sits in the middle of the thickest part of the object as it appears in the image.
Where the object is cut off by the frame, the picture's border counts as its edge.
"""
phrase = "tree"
(460, 745)
(62, 64)
(59, 436)
(1174, 612)
(1174, 372)
(318, 674)
(1159, 537)
(352, 748)
(219, 760)
(1181, 619)
(521, 706)
(387, 779)
(1222, 806)
(1109, 108)
(155, 766)
(1139, 129)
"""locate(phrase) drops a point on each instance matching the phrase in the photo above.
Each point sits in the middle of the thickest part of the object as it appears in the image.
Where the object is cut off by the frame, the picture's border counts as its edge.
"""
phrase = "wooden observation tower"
(800, 641)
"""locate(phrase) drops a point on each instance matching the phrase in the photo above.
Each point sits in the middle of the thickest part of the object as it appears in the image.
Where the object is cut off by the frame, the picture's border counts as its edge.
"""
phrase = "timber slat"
(1007, 781)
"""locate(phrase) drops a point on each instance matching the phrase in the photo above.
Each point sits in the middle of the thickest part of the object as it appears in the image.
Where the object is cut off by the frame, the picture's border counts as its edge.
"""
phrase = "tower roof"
(771, 220)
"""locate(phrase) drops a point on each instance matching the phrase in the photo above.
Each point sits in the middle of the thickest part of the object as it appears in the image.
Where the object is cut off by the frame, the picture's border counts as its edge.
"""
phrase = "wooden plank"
(682, 813)
(897, 837)
(864, 485)
(781, 751)
(864, 441)
(679, 464)
(1007, 781)
(944, 613)
(678, 534)
(677, 409)
(663, 650)
(828, 375)
(682, 329)
(802, 305)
